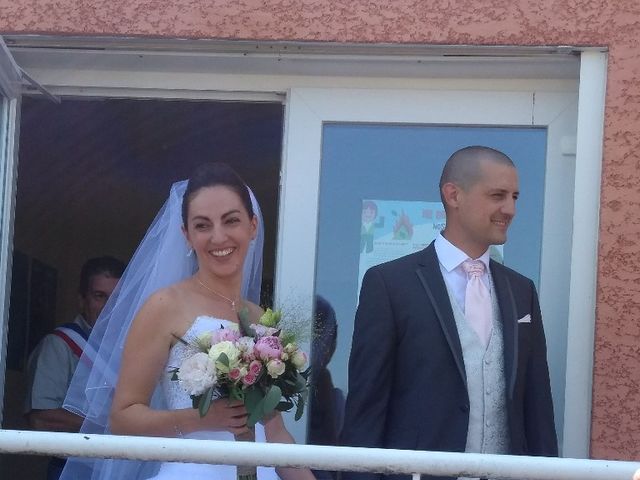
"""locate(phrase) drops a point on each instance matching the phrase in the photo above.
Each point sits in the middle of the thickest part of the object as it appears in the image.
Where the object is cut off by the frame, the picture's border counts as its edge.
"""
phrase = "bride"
(124, 386)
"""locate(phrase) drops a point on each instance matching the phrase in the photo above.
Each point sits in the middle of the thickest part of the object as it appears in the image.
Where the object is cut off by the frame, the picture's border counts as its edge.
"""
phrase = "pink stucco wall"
(613, 23)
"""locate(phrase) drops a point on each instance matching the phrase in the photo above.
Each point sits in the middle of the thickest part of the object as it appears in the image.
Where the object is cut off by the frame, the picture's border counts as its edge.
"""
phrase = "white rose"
(290, 348)
(275, 368)
(299, 359)
(230, 350)
(197, 373)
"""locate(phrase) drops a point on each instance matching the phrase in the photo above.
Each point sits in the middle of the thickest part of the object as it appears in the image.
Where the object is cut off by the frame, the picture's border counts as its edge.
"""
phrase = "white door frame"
(584, 254)
(10, 91)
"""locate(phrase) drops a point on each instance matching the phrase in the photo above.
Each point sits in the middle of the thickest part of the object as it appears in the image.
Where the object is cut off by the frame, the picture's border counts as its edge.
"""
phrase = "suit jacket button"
(464, 408)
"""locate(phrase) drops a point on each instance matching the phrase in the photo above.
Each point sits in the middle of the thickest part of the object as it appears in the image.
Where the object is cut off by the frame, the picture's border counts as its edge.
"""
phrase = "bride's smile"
(222, 253)
(219, 229)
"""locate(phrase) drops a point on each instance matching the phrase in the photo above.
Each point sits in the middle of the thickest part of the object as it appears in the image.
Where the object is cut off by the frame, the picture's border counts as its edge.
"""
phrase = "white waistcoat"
(488, 430)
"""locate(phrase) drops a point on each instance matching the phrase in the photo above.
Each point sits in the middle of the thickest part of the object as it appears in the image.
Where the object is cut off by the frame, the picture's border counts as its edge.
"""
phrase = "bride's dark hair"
(213, 175)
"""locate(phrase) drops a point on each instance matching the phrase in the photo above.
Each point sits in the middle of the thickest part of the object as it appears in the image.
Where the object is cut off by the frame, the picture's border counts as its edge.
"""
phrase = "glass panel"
(379, 199)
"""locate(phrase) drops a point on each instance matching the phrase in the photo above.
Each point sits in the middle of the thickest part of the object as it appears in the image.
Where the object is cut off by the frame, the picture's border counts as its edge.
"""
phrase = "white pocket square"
(525, 319)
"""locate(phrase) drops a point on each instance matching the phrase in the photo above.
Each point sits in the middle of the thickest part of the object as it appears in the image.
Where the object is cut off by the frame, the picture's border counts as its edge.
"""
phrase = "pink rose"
(255, 367)
(249, 379)
(234, 374)
(268, 348)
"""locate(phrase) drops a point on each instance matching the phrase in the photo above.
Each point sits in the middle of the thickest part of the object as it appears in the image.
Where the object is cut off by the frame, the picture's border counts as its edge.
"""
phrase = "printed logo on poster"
(393, 228)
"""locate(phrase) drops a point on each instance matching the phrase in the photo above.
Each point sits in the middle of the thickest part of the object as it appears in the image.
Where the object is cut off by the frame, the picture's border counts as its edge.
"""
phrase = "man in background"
(54, 360)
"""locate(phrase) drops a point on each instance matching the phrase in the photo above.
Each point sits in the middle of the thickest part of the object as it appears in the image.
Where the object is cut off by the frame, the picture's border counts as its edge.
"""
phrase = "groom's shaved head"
(464, 167)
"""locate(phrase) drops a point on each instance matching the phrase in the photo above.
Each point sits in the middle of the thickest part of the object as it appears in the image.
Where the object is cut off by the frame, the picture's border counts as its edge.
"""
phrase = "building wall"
(613, 23)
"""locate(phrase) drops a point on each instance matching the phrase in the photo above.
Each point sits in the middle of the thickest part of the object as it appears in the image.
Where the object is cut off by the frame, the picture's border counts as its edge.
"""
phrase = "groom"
(449, 354)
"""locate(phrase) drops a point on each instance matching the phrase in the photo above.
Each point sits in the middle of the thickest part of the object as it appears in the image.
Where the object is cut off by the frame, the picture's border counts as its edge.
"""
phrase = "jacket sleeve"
(539, 425)
(371, 367)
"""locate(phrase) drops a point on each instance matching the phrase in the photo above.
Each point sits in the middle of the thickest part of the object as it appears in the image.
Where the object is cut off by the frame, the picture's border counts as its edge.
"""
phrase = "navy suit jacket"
(407, 381)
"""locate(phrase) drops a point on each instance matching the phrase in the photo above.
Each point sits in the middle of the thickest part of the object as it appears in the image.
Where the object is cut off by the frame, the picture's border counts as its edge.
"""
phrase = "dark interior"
(92, 174)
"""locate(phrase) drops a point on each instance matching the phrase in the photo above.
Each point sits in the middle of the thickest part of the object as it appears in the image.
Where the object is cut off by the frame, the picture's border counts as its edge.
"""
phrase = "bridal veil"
(162, 258)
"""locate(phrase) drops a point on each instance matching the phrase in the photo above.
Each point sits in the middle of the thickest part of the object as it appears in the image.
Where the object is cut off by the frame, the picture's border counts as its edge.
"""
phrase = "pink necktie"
(477, 300)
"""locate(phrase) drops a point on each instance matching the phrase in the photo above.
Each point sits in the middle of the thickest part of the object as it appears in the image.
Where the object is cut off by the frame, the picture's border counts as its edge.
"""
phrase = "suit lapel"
(431, 279)
(508, 314)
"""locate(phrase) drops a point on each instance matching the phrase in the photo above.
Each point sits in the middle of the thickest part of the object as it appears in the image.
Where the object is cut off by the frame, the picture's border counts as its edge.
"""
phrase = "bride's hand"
(228, 415)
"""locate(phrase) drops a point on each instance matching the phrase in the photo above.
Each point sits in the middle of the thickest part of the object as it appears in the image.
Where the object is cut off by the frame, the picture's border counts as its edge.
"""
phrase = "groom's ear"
(450, 193)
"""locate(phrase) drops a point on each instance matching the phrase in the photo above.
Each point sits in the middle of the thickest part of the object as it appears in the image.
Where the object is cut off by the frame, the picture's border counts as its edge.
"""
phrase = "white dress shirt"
(450, 258)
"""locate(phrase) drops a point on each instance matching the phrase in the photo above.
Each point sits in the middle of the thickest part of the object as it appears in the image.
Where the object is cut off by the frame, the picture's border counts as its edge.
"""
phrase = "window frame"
(10, 95)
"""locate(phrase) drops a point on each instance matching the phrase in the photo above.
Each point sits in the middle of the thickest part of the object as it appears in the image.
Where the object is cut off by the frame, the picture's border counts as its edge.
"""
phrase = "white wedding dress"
(177, 398)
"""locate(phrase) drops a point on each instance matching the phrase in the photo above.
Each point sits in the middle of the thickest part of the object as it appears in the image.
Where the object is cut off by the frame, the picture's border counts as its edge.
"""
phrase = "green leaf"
(291, 381)
(304, 395)
(299, 408)
(245, 322)
(252, 397)
(236, 393)
(270, 318)
(223, 359)
(205, 401)
(287, 337)
(301, 383)
(255, 415)
(284, 406)
(271, 400)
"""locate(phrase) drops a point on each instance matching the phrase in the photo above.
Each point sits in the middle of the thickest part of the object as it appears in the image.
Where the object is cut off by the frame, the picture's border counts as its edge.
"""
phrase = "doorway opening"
(92, 174)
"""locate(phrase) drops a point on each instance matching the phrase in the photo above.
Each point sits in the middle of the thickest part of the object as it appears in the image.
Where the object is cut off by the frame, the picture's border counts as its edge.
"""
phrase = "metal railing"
(318, 457)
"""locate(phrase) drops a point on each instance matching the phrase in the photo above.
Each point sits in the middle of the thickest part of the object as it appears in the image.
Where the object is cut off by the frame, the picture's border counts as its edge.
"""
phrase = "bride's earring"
(190, 252)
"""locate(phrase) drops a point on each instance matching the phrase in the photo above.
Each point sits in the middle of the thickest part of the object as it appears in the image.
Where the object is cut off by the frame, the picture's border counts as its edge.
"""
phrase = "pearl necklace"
(231, 302)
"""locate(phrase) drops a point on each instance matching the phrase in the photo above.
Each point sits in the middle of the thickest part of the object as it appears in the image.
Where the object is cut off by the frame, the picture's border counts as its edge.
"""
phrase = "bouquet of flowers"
(258, 364)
